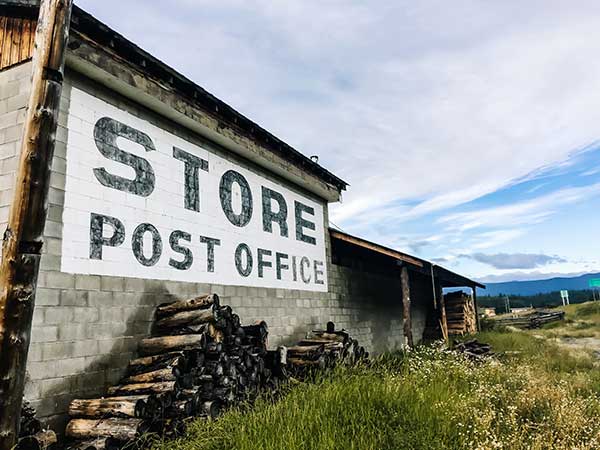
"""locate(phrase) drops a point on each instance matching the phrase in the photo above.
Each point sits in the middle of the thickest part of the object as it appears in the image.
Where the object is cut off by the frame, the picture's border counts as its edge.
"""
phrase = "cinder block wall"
(86, 327)
(15, 85)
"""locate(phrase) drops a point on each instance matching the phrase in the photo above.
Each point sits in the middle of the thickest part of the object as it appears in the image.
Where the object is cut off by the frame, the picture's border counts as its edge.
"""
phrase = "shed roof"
(143, 61)
(448, 278)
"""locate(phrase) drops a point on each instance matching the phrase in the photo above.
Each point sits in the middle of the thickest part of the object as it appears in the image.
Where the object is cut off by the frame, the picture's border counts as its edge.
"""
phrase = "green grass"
(537, 394)
(539, 398)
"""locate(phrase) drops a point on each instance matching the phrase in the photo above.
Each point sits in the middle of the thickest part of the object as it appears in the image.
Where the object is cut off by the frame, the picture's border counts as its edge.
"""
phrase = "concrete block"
(71, 331)
(17, 101)
(13, 132)
(47, 297)
(50, 262)
(87, 282)
(91, 381)
(70, 297)
(35, 352)
(44, 333)
(8, 90)
(58, 315)
(112, 284)
(59, 279)
(55, 215)
(38, 316)
(111, 315)
(85, 314)
(134, 285)
(32, 390)
(42, 370)
(100, 298)
(72, 366)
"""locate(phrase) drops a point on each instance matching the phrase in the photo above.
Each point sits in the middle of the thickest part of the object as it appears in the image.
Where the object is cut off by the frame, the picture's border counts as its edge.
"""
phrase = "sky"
(469, 131)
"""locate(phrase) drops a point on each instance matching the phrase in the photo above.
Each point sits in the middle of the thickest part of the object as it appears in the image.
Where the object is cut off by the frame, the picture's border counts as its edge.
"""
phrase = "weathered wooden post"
(406, 306)
(474, 289)
(442, 303)
(22, 244)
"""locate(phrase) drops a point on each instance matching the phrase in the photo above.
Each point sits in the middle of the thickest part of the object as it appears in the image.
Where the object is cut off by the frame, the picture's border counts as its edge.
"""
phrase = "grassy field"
(538, 394)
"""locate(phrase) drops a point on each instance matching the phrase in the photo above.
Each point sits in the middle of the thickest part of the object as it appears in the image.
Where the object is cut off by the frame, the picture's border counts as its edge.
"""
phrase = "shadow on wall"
(101, 371)
(369, 307)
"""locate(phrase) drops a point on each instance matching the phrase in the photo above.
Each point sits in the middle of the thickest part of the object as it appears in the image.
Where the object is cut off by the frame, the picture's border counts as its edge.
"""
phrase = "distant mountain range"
(538, 286)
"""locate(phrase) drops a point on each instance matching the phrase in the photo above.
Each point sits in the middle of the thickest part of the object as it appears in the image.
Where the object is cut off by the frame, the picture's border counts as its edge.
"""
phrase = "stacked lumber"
(199, 360)
(31, 434)
(323, 349)
(473, 349)
(460, 313)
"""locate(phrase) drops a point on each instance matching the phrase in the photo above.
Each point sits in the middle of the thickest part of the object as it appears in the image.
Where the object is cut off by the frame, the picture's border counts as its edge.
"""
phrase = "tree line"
(541, 300)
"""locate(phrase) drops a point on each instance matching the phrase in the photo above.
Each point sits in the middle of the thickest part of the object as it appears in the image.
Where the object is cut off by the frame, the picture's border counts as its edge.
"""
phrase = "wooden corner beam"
(23, 239)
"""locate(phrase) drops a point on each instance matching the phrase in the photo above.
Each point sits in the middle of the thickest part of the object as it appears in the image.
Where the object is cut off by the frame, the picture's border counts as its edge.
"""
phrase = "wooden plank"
(26, 39)
(3, 24)
(15, 50)
(16, 40)
(6, 43)
(32, 37)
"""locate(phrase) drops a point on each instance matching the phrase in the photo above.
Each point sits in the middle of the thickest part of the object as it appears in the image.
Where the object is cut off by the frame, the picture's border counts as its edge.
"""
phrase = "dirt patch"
(591, 344)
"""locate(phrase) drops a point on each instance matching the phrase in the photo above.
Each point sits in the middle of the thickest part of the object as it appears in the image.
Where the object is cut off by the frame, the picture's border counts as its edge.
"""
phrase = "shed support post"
(442, 303)
(406, 319)
(23, 239)
(477, 324)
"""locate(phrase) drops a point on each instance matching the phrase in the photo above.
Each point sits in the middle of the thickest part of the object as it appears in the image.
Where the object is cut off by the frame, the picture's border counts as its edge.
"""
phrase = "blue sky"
(468, 130)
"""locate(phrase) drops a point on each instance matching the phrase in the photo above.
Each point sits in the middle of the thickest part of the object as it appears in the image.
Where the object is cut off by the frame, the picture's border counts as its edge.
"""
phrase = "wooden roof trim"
(440, 272)
(457, 280)
(375, 247)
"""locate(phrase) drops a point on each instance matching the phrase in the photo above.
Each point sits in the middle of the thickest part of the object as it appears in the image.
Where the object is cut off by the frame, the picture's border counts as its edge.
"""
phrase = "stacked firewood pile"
(324, 349)
(473, 349)
(533, 320)
(460, 313)
(199, 360)
(31, 434)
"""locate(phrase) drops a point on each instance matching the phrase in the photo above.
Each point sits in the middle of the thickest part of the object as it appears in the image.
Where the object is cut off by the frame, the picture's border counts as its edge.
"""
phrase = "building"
(160, 191)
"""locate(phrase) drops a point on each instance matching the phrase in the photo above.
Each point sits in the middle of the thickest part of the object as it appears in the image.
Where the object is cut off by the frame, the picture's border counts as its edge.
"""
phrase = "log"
(133, 407)
(210, 409)
(151, 363)
(319, 363)
(201, 302)
(192, 395)
(259, 329)
(329, 345)
(143, 388)
(189, 318)
(105, 443)
(334, 337)
(165, 344)
(42, 440)
(121, 429)
(168, 374)
(181, 408)
(305, 351)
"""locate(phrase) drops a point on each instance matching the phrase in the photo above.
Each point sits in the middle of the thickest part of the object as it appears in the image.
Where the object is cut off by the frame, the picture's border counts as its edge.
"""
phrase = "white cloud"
(521, 213)
(505, 261)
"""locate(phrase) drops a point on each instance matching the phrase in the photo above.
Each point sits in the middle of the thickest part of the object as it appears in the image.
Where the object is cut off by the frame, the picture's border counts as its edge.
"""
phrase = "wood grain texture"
(23, 239)
(16, 40)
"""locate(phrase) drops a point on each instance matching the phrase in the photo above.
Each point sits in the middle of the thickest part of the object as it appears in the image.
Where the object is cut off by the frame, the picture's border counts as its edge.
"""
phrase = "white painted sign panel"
(142, 202)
